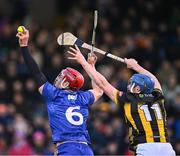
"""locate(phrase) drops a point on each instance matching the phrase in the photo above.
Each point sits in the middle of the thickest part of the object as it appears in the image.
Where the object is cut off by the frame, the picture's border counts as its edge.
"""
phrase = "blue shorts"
(74, 149)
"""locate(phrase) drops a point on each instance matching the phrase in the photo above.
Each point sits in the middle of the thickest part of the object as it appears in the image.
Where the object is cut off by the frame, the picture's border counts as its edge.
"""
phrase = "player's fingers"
(24, 28)
(89, 55)
(19, 35)
(71, 53)
(26, 31)
(74, 50)
(135, 61)
(92, 57)
(77, 48)
(125, 60)
(71, 58)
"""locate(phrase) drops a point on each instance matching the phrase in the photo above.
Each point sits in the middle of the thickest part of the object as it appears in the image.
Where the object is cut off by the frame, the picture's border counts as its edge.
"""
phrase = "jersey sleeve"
(49, 92)
(88, 98)
(158, 94)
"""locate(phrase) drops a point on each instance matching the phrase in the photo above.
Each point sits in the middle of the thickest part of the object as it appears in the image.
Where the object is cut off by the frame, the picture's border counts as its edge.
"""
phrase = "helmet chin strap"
(59, 83)
(131, 88)
(64, 84)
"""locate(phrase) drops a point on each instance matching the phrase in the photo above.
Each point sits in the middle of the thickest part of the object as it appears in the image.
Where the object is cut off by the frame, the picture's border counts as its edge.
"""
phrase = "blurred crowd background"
(146, 30)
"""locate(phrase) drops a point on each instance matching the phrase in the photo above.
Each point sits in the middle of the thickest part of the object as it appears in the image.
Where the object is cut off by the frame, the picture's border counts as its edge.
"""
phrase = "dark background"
(146, 30)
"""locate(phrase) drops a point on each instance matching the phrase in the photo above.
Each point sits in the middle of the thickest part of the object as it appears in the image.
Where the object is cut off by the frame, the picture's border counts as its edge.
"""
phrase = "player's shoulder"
(84, 93)
(157, 90)
(48, 86)
(86, 97)
(158, 94)
(50, 89)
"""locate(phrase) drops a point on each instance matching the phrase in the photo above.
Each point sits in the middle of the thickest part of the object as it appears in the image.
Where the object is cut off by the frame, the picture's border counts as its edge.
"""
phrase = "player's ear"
(137, 89)
(41, 89)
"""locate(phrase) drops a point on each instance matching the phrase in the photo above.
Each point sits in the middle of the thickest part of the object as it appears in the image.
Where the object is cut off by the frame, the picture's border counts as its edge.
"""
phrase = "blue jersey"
(68, 113)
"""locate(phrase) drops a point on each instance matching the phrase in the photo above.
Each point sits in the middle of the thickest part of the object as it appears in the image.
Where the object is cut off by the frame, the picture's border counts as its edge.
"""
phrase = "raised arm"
(98, 78)
(96, 90)
(132, 64)
(31, 64)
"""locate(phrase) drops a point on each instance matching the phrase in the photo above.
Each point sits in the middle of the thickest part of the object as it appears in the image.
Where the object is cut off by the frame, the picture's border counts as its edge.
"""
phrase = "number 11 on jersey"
(156, 109)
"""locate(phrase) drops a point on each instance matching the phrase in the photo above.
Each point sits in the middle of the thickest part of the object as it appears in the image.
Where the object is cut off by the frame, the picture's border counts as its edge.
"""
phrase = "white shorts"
(155, 149)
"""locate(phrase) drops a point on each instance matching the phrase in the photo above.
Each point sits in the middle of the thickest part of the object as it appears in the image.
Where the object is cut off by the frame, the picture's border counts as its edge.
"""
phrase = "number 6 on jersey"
(70, 114)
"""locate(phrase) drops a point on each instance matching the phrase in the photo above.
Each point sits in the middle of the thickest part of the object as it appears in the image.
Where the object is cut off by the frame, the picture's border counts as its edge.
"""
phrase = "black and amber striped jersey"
(145, 115)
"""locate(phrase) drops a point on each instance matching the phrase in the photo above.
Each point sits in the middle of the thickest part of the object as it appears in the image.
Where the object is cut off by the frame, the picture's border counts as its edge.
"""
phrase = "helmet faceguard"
(145, 83)
(69, 78)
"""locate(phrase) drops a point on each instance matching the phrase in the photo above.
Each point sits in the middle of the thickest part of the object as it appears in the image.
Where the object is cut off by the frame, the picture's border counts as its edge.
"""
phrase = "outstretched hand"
(92, 58)
(76, 55)
(23, 37)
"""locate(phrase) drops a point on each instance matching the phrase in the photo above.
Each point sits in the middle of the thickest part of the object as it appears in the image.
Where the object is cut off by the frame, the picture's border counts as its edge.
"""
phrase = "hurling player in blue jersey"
(67, 106)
